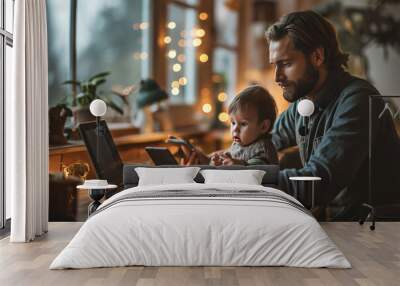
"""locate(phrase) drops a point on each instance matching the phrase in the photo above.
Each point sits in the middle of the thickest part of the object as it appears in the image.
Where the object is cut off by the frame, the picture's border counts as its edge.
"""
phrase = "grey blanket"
(206, 194)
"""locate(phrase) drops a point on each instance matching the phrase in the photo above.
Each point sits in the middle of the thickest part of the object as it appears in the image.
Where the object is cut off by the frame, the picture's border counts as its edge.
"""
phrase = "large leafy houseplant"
(361, 26)
(89, 92)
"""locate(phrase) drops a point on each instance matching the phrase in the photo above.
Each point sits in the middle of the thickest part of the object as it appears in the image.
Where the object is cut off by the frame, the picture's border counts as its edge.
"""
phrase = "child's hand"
(227, 160)
(216, 159)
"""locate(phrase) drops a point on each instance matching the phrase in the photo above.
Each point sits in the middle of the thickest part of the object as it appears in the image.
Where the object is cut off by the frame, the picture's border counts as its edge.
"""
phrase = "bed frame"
(270, 179)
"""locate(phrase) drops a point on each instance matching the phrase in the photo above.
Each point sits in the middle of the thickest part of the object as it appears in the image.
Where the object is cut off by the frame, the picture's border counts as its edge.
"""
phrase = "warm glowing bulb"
(143, 56)
(200, 33)
(183, 81)
(172, 54)
(222, 96)
(203, 58)
(196, 42)
(167, 39)
(175, 84)
(171, 25)
(181, 58)
(175, 91)
(203, 16)
(181, 43)
(207, 108)
(144, 25)
(223, 117)
(176, 67)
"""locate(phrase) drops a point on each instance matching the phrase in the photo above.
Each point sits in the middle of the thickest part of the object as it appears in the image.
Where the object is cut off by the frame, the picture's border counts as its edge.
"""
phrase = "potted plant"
(57, 117)
(88, 91)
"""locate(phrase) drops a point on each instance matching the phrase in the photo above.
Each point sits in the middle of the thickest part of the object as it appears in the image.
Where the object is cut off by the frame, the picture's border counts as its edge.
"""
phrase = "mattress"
(201, 225)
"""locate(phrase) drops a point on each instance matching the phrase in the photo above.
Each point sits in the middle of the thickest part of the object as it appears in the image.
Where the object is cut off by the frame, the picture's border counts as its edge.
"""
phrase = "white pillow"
(248, 177)
(163, 176)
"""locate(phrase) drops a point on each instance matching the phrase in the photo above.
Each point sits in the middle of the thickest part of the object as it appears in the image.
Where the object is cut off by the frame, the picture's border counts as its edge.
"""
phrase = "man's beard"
(300, 88)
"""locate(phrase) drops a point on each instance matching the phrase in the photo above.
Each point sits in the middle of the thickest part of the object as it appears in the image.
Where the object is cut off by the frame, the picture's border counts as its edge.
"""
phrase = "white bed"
(269, 229)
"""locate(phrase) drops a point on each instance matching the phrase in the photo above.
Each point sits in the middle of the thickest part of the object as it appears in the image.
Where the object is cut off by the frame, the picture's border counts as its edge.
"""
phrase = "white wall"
(384, 74)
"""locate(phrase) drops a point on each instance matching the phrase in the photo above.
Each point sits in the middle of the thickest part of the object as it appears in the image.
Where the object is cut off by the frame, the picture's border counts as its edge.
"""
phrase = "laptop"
(102, 151)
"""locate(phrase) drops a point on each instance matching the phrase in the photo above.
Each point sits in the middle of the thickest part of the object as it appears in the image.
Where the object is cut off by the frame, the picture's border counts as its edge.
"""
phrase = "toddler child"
(252, 114)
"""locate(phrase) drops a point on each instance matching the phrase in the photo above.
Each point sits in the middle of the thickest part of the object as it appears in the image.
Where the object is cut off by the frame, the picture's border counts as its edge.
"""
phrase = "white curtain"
(27, 124)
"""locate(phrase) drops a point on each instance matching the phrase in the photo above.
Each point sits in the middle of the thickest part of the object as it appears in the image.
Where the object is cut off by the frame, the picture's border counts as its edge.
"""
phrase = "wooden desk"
(130, 148)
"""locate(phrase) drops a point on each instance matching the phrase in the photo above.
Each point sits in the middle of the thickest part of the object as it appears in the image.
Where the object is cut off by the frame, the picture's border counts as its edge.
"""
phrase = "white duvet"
(200, 231)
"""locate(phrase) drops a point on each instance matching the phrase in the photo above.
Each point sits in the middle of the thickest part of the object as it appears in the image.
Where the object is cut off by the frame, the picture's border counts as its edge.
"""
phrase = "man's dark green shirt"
(335, 146)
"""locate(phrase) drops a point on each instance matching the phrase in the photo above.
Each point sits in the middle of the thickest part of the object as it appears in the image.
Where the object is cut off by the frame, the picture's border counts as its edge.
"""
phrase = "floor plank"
(375, 257)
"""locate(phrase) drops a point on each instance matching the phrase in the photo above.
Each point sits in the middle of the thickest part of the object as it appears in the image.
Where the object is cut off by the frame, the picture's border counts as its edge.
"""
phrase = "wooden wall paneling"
(245, 19)
(307, 4)
(288, 6)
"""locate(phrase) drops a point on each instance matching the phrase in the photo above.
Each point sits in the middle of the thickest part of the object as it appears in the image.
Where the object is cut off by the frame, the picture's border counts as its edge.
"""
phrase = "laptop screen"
(102, 151)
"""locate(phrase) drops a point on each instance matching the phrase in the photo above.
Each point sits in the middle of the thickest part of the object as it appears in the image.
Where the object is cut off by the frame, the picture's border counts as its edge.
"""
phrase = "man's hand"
(194, 156)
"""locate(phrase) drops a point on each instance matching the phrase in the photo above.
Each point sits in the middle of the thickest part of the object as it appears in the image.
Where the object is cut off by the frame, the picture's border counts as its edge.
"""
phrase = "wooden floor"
(375, 256)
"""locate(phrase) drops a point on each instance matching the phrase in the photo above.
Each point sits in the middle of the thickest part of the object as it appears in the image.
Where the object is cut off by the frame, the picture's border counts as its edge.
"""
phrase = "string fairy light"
(203, 16)
(223, 117)
(207, 108)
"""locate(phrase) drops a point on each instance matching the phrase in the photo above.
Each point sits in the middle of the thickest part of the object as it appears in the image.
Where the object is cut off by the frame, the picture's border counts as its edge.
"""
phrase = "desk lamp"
(98, 108)
(149, 94)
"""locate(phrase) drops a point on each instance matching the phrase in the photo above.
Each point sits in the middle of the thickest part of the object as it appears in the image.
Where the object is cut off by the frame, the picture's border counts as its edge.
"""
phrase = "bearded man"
(333, 141)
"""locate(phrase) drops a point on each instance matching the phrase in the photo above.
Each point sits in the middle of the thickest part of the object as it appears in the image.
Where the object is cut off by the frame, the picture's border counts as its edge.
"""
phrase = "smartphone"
(179, 141)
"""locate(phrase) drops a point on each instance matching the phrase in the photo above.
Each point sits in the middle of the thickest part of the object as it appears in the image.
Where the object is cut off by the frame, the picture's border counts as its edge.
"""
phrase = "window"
(182, 38)
(6, 43)
(111, 36)
(227, 31)
(225, 62)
